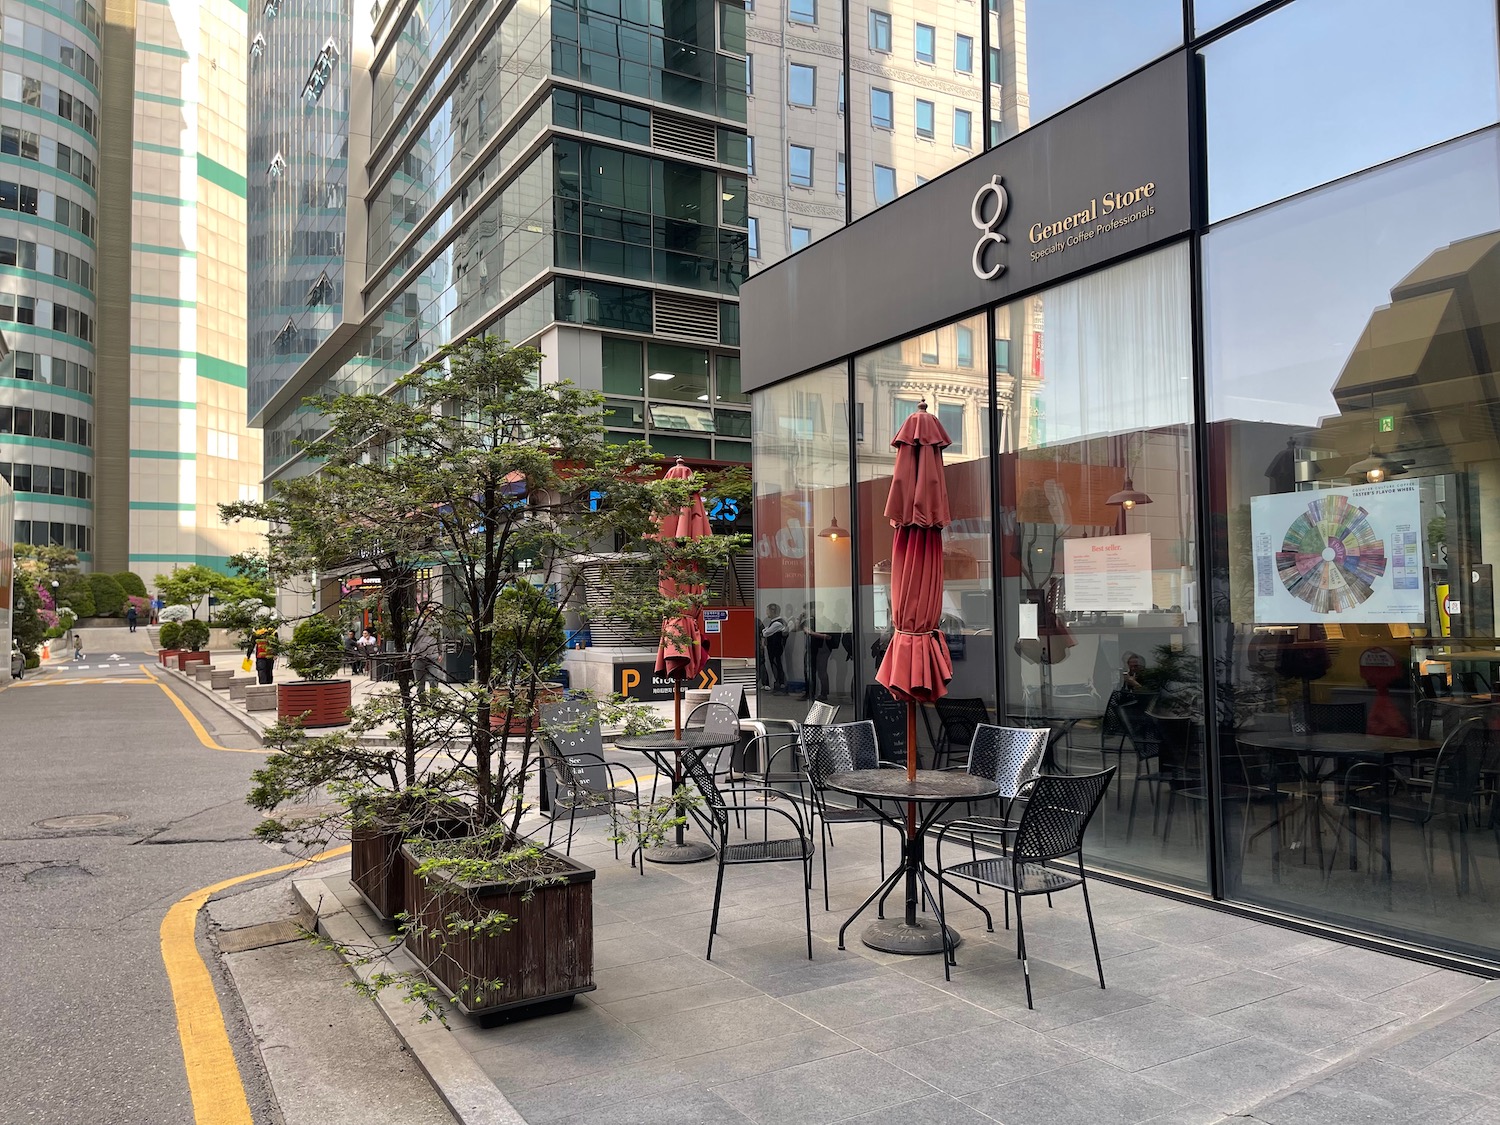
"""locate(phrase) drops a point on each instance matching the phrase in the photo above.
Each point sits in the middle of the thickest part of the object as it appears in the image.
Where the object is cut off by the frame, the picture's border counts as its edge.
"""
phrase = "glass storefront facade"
(1281, 425)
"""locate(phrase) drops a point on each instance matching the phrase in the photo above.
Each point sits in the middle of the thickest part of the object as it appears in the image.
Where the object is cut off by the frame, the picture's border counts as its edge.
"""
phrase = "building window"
(921, 180)
(963, 346)
(801, 236)
(997, 133)
(963, 129)
(841, 92)
(801, 84)
(885, 184)
(928, 343)
(963, 54)
(926, 112)
(882, 109)
(754, 238)
(951, 415)
(749, 74)
(926, 43)
(994, 66)
(843, 175)
(799, 166)
(803, 11)
(880, 32)
(749, 156)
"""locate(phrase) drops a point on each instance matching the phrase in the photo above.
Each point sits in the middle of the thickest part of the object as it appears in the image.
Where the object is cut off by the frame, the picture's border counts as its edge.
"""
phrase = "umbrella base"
(690, 852)
(919, 937)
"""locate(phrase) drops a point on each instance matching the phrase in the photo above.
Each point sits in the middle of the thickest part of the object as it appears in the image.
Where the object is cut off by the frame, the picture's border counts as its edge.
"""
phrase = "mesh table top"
(930, 785)
(663, 740)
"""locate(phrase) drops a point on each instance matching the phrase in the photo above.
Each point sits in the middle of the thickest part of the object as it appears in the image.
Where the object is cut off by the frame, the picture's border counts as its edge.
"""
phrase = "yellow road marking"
(213, 1076)
(79, 680)
(192, 720)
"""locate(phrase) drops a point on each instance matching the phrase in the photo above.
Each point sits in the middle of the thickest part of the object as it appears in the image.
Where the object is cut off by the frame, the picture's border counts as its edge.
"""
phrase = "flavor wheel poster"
(1339, 554)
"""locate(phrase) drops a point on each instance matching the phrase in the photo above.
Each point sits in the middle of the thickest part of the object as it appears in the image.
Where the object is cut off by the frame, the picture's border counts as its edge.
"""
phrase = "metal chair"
(720, 715)
(1051, 828)
(572, 746)
(959, 718)
(1008, 756)
(769, 744)
(798, 849)
(839, 748)
(1125, 721)
(1176, 772)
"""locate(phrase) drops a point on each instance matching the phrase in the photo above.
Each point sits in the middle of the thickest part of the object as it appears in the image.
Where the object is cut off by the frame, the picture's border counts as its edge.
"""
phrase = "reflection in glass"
(1099, 587)
(1309, 92)
(1209, 14)
(1356, 537)
(889, 384)
(803, 595)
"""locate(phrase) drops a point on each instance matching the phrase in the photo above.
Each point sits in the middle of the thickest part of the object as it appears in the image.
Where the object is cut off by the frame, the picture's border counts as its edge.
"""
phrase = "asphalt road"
(88, 1031)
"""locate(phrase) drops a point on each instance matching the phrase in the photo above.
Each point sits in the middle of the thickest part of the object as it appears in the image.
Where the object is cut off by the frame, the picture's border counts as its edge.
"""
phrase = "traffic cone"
(45, 654)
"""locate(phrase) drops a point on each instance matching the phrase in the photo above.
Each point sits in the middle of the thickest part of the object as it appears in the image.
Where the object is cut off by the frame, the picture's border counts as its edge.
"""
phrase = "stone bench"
(238, 684)
(260, 697)
(200, 672)
(219, 678)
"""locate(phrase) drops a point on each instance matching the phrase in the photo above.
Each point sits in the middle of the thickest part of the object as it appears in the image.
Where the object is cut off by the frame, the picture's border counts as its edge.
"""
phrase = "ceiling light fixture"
(833, 531)
(662, 376)
(1376, 467)
(1128, 497)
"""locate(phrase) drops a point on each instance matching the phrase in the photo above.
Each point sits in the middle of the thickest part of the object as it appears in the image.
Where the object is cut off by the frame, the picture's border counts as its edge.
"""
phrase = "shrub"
(131, 583)
(75, 590)
(194, 634)
(170, 635)
(109, 597)
(177, 613)
(317, 648)
(142, 606)
(33, 661)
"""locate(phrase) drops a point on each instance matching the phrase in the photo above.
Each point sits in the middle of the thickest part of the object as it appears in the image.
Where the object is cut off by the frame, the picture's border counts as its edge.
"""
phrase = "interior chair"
(1051, 829)
(1126, 719)
(959, 718)
(797, 848)
(572, 750)
(839, 748)
(1178, 772)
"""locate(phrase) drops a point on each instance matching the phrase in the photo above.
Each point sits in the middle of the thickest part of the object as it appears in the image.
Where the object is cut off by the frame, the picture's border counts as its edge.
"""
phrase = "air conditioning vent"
(687, 318)
(678, 134)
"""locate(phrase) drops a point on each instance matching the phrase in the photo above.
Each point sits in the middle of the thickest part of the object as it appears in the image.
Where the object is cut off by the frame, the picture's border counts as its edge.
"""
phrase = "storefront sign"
(638, 680)
(1103, 179)
(1110, 574)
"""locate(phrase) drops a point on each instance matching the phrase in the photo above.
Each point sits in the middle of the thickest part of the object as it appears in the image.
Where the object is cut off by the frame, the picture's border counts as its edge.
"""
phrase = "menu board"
(1111, 573)
(1343, 554)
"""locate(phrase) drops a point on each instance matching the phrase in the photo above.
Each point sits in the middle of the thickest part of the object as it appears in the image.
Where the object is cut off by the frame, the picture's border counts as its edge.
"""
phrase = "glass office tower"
(1225, 464)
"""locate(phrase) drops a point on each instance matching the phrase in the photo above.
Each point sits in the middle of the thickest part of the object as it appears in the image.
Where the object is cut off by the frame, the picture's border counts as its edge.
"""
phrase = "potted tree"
(315, 653)
(529, 636)
(193, 635)
(170, 639)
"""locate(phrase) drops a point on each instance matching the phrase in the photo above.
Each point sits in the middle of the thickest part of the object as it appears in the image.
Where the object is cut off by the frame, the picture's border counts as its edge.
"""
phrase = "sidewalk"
(1206, 1016)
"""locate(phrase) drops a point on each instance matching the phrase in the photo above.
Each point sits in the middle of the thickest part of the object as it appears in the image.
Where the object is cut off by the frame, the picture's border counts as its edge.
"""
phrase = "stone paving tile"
(630, 947)
(841, 1005)
(1233, 990)
(1001, 987)
(1187, 925)
(1373, 1092)
(1434, 1044)
(642, 977)
(1475, 1067)
(723, 1025)
(1489, 1114)
(1077, 1005)
(654, 1004)
(945, 1018)
(595, 1094)
(1354, 972)
(1162, 966)
(1234, 1076)
(1146, 1036)
(1088, 1093)
(731, 1064)
(1427, 992)
(936, 1109)
(981, 1057)
(518, 1058)
(684, 1106)
(823, 1090)
(1308, 1018)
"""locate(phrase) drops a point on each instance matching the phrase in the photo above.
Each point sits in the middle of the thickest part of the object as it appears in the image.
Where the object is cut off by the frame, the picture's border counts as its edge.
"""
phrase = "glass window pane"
(926, 43)
(622, 366)
(1309, 92)
(926, 113)
(802, 11)
(754, 237)
(885, 184)
(882, 109)
(1359, 534)
(799, 166)
(963, 128)
(802, 84)
(727, 384)
(880, 32)
(677, 373)
(963, 54)
(803, 581)
(801, 236)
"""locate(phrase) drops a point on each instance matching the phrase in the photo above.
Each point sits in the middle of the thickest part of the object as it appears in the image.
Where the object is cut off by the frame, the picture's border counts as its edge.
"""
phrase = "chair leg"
(713, 923)
(807, 900)
(826, 834)
(1021, 948)
(948, 953)
(572, 813)
(1088, 911)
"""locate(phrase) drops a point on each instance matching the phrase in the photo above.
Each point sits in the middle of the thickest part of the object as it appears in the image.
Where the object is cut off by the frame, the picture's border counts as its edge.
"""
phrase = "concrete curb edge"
(222, 702)
(470, 1094)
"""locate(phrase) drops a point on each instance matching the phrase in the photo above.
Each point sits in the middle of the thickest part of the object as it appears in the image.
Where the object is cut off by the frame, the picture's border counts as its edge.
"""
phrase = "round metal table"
(936, 791)
(657, 746)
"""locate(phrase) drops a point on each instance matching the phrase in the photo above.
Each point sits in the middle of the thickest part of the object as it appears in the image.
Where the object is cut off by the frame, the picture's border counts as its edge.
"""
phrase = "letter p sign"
(629, 679)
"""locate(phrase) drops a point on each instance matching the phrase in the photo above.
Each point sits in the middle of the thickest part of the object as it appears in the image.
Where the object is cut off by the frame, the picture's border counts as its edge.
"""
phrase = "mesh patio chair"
(793, 849)
(1123, 723)
(572, 750)
(1010, 757)
(839, 748)
(959, 718)
(1058, 810)
(769, 744)
(720, 715)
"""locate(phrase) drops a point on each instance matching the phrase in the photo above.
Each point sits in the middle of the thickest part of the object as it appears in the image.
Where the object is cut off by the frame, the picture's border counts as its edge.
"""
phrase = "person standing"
(819, 648)
(351, 653)
(265, 656)
(131, 617)
(426, 651)
(774, 635)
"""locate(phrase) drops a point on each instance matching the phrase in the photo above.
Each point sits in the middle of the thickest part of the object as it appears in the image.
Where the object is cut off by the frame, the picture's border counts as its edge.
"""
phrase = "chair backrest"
(1337, 718)
(961, 718)
(702, 777)
(1057, 813)
(1460, 764)
(839, 748)
(1121, 708)
(820, 714)
(1175, 733)
(1008, 756)
(569, 727)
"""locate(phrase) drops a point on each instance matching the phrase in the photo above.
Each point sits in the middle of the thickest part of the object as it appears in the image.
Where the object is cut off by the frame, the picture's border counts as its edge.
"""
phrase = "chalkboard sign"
(573, 728)
(889, 715)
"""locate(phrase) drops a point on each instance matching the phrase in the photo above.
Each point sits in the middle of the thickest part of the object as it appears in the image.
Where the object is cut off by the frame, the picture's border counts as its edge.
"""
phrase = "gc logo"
(992, 191)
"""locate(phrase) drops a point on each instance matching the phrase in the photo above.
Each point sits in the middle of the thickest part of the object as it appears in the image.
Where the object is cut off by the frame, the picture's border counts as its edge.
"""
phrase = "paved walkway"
(1206, 1017)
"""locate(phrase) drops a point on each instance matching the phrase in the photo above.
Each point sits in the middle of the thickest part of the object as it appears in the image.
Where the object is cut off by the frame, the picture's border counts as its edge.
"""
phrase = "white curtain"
(1117, 348)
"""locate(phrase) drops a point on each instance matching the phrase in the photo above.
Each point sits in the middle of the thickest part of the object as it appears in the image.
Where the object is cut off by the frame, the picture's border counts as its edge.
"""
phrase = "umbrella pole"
(677, 710)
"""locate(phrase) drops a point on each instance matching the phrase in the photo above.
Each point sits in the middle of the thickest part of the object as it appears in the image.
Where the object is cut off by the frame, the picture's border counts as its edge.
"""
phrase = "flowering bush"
(46, 607)
(142, 606)
(176, 614)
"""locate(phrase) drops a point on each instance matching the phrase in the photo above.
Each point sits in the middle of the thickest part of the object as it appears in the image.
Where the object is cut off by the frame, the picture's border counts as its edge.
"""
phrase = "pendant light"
(833, 531)
(1376, 467)
(1128, 497)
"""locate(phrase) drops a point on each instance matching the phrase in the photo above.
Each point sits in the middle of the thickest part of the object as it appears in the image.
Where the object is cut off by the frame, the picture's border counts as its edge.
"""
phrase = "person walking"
(265, 656)
(351, 653)
(774, 635)
(78, 648)
(815, 659)
(131, 617)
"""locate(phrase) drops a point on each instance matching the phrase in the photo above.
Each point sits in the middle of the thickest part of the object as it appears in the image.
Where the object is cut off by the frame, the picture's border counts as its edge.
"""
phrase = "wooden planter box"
(378, 866)
(325, 702)
(167, 657)
(186, 658)
(521, 724)
(545, 957)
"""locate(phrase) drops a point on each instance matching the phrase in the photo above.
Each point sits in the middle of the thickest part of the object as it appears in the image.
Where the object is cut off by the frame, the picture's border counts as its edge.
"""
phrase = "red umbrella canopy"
(683, 651)
(917, 667)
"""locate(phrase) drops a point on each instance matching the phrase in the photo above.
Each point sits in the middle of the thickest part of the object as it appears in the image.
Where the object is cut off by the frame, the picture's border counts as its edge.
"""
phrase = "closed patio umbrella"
(683, 650)
(917, 667)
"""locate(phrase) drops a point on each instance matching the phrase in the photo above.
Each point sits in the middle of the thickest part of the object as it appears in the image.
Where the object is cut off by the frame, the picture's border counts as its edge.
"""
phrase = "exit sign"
(1388, 424)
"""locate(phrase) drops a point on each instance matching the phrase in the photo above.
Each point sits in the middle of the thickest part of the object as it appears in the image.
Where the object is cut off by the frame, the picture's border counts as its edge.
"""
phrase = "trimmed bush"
(317, 648)
(76, 592)
(194, 634)
(109, 597)
(170, 634)
(132, 584)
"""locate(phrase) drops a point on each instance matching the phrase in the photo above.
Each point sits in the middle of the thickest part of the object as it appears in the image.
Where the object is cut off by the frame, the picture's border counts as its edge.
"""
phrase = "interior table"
(666, 751)
(935, 791)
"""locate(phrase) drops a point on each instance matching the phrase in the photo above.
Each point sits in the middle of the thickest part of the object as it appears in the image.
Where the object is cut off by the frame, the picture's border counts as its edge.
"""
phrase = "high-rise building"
(122, 277)
(570, 175)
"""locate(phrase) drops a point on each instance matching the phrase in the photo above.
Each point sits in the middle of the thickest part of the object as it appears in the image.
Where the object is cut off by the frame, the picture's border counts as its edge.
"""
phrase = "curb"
(470, 1094)
(176, 679)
